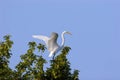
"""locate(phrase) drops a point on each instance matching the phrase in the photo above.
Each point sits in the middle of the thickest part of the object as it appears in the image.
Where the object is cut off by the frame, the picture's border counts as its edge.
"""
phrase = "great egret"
(51, 42)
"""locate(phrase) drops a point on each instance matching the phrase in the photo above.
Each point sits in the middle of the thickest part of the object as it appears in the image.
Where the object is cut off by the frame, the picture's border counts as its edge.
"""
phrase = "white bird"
(51, 42)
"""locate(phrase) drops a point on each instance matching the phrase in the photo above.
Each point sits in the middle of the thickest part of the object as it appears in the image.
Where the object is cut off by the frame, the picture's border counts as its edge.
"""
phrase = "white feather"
(41, 37)
(51, 42)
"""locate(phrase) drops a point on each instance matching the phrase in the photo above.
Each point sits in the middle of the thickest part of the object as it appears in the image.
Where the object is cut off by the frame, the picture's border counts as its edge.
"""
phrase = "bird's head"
(66, 32)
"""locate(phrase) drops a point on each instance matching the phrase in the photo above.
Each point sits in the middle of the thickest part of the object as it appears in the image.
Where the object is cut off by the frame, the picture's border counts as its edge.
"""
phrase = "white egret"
(51, 42)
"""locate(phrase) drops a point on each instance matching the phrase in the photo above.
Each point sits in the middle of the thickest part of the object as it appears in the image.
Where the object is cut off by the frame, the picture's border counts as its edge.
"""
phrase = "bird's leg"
(53, 57)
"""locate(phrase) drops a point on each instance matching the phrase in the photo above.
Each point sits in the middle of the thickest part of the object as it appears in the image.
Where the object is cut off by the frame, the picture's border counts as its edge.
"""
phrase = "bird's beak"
(69, 33)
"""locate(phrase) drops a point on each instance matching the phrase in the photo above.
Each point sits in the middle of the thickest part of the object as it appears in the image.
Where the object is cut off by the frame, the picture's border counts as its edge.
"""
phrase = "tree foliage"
(5, 54)
(31, 66)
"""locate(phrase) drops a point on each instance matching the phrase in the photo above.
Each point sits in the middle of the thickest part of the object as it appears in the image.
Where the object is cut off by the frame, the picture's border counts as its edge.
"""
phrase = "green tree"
(5, 54)
(60, 68)
(31, 66)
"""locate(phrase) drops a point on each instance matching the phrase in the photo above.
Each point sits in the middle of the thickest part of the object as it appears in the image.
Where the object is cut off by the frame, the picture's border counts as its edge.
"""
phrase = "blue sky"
(95, 25)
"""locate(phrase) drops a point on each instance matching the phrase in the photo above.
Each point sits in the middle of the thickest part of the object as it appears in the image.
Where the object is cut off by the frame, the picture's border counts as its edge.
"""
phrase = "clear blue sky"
(95, 25)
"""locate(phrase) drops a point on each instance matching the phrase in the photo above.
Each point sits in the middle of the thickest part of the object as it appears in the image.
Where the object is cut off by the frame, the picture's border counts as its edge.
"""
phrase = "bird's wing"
(41, 37)
(52, 44)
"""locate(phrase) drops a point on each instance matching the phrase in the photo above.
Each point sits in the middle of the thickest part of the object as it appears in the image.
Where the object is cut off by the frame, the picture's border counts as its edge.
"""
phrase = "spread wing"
(41, 37)
(52, 43)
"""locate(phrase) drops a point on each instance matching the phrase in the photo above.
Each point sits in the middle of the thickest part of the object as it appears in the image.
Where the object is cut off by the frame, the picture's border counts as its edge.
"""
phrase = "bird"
(51, 42)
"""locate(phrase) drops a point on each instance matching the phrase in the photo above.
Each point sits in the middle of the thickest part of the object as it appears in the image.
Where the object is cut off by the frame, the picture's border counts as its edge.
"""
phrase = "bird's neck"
(63, 40)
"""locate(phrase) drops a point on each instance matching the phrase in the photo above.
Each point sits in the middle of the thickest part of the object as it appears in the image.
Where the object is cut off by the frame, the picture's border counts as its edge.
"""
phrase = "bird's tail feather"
(51, 54)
